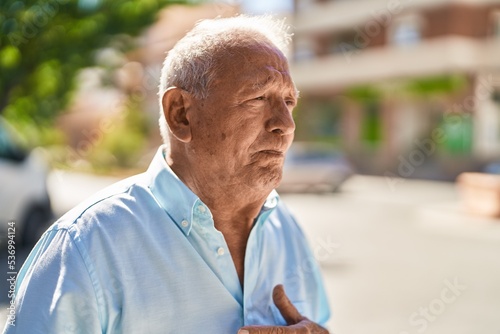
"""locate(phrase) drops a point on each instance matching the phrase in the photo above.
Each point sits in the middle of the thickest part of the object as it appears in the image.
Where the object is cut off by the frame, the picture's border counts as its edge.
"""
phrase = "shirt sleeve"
(301, 276)
(321, 306)
(54, 290)
(320, 309)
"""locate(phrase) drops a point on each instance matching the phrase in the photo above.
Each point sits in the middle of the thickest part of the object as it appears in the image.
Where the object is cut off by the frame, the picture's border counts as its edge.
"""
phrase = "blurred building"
(406, 88)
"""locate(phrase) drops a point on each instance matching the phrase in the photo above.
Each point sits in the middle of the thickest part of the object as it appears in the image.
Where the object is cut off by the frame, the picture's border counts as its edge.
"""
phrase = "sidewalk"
(437, 205)
(396, 251)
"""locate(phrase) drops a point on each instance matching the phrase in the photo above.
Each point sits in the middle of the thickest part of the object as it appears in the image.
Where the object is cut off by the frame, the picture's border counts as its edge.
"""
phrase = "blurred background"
(394, 173)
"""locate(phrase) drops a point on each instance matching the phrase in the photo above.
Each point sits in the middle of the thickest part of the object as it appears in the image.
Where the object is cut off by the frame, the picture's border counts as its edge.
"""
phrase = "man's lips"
(273, 152)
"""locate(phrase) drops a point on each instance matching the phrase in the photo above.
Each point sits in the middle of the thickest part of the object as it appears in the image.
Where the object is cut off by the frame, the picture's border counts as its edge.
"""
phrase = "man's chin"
(269, 179)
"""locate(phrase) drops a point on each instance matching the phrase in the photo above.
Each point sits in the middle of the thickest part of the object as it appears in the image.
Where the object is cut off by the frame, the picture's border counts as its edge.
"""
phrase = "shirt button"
(184, 223)
(272, 202)
(201, 208)
(220, 251)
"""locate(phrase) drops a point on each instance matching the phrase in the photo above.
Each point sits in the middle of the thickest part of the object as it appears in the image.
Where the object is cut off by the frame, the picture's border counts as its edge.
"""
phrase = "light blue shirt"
(143, 256)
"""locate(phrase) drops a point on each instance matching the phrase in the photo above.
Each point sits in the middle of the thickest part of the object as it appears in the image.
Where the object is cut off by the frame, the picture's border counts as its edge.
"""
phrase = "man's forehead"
(268, 76)
(252, 53)
(253, 66)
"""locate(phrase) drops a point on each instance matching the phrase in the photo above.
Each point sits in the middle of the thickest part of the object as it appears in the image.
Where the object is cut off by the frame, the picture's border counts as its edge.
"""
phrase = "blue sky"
(266, 6)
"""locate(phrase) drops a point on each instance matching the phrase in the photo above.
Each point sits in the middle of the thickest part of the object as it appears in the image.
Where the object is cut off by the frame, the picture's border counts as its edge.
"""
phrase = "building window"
(371, 128)
(319, 119)
(344, 42)
(405, 30)
(458, 134)
(496, 96)
(496, 24)
(303, 49)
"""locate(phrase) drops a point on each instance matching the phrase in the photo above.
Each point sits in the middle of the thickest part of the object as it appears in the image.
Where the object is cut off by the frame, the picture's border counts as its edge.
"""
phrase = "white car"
(314, 167)
(24, 201)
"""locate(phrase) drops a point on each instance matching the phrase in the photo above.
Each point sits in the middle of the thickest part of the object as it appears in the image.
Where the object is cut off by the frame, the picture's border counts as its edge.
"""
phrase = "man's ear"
(175, 104)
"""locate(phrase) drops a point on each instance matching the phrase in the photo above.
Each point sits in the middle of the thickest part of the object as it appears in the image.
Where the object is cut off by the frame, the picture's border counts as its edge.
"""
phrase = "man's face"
(243, 129)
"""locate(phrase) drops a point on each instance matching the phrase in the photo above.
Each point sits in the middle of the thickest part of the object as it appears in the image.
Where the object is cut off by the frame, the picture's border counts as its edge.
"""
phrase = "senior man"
(200, 242)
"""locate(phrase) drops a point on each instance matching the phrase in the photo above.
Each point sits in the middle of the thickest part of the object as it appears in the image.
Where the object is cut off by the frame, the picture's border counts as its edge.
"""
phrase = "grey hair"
(190, 64)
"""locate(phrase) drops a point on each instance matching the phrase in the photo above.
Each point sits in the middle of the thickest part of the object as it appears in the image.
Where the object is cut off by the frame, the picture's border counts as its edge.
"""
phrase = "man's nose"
(281, 121)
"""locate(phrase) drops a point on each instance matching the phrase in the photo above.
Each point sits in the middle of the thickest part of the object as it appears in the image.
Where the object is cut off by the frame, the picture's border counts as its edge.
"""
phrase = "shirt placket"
(253, 256)
(218, 251)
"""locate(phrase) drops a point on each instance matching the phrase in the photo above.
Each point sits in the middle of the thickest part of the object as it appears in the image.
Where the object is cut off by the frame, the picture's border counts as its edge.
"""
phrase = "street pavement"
(397, 256)
(403, 258)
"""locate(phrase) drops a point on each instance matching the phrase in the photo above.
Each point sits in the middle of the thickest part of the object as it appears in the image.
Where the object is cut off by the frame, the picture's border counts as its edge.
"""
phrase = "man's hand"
(295, 321)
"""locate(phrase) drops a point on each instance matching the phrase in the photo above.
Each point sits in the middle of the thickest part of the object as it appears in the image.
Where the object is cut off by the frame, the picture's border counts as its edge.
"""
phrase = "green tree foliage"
(437, 85)
(44, 43)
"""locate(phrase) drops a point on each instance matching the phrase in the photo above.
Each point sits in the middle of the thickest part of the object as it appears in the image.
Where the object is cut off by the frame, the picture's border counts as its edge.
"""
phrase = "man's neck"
(233, 205)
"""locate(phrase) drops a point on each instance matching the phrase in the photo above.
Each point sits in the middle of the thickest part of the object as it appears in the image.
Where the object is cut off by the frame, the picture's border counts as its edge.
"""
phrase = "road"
(397, 258)
(404, 259)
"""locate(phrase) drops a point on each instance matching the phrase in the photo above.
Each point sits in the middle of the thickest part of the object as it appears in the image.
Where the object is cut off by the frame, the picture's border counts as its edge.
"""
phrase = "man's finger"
(305, 326)
(287, 310)
(295, 329)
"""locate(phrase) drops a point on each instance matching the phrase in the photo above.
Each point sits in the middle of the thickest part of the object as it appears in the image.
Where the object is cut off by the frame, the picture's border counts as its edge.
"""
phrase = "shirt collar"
(179, 201)
(269, 205)
(171, 193)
